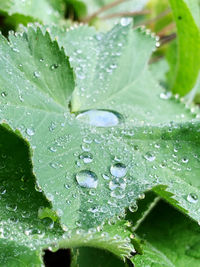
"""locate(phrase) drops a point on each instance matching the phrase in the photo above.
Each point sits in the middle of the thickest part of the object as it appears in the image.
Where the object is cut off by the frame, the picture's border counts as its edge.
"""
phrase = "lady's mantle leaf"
(91, 173)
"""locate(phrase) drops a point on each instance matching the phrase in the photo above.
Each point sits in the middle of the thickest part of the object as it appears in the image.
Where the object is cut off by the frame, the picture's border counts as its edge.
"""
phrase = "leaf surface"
(77, 163)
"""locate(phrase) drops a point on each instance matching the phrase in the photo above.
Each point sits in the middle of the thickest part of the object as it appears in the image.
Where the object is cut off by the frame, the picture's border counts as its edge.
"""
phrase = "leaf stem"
(160, 16)
(126, 14)
(103, 9)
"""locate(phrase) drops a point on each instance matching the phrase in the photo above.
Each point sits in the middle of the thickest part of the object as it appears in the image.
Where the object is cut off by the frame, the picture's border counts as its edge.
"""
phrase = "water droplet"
(100, 118)
(86, 157)
(149, 156)
(141, 196)
(185, 160)
(105, 177)
(4, 94)
(125, 21)
(11, 207)
(30, 131)
(165, 95)
(53, 149)
(86, 178)
(118, 170)
(192, 198)
(133, 208)
(54, 66)
(36, 74)
(117, 193)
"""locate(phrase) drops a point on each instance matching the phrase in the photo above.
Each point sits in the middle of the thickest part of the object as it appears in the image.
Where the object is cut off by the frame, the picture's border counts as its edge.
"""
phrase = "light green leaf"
(72, 160)
(186, 15)
(170, 239)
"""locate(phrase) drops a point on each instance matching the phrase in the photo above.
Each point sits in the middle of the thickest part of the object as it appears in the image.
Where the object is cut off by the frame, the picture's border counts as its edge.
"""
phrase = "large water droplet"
(4, 94)
(192, 198)
(86, 178)
(100, 118)
(86, 157)
(118, 170)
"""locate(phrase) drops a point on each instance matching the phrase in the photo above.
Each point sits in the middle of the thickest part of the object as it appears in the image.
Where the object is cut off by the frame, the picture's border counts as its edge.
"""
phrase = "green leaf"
(46, 11)
(186, 15)
(87, 257)
(22, 234)
(74, 162)
(170, 239)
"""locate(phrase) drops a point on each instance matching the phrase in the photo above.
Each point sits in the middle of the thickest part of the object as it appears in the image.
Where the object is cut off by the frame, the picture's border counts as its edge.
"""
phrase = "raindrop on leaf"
(86, 178)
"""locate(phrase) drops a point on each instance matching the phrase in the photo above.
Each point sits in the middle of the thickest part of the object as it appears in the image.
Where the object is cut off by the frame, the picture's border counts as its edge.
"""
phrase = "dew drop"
(105, 177)
(118, 170)
(192, 198)
(133, 208)
(4, 94)
(11, 207)
(185, 160)
(86, 157)
(149, 156)
(86, 178)
(100, 118)
(36, 74)
(125, 21)
(54, 66)
(165, 95)
(30, 131)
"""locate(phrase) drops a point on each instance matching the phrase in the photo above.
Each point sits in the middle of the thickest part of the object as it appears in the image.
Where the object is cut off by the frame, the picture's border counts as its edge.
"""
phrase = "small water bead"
(118, 170)
(2, 190)
(165, 95)
(125, 21)
(87, 140)
(133, 208)
(149, 156)
(192, 198)
(185, 160)
(87, 179)
(30, 131)
(86, 157)
(54, 66)
(11, 207)
(141, 196)
(4, 94)
(105, 177)
(118, 193)
(36, 74)
(53, 149)
(100, 118)
(118, 183)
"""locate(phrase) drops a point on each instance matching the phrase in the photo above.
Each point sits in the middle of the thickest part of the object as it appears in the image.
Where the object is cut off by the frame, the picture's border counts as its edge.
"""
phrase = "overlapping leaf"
(171, 239)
